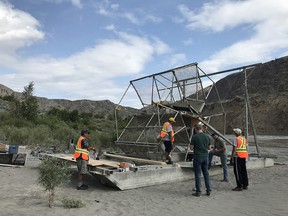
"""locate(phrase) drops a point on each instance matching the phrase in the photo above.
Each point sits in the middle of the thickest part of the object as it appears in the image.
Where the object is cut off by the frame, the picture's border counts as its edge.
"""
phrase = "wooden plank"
(91, 162)
(101, 162)
(11, 165)
(140, 160)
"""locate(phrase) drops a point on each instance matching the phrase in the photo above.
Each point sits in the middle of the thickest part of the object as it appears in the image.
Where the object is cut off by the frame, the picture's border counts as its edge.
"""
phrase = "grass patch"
(71, 203)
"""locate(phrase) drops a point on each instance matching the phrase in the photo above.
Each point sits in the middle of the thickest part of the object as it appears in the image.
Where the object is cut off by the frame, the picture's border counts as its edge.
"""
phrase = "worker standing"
(167, 135)
(239, 155)
(200, 143)
(220, 151)
(82, 157)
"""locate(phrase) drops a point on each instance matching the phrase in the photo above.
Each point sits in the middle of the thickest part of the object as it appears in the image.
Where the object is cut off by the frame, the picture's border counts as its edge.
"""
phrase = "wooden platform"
(133, 159)
(92, 162)
(109, 172)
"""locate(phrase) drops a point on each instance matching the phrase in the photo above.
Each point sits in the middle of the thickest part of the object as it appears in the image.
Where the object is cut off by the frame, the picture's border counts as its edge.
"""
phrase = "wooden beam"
(91, 162)
(140, 160)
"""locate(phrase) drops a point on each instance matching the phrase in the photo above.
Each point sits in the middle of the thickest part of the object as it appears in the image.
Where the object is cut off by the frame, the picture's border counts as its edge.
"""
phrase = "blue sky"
(91, 49)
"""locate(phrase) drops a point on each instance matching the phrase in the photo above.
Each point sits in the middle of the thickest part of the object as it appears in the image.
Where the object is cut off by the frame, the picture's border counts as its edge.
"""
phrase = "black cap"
(85, 131)
(198, 126)
(214, 133)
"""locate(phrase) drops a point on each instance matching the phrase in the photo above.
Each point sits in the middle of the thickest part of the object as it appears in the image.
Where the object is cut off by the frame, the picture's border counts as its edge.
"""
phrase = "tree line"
(24, 124)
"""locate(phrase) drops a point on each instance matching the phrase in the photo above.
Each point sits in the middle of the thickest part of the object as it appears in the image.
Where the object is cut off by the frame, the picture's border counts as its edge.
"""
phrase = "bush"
(19, 136)
(24, 125)
(52, 173)
(70, 203)
(41, 136)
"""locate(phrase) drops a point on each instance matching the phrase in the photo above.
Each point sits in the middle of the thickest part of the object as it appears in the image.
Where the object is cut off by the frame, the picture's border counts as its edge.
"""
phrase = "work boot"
(237, 189)
(169, 161)
(245, 187)
(197, 194)
(82, 187)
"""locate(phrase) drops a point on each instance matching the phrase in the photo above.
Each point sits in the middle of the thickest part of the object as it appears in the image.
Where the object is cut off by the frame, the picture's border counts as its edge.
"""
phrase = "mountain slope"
(268, 94)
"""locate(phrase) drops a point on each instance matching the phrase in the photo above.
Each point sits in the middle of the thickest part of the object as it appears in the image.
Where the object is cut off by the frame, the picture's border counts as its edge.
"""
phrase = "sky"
(91, 49)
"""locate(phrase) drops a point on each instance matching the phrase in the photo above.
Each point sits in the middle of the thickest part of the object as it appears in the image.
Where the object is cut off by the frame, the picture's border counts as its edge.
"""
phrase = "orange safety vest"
(241, 148)
(79, 151)
(164, 131)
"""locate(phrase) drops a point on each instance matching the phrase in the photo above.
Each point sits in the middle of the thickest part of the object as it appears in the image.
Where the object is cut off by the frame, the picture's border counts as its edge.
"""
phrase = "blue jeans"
(198, 166)
(223, 158)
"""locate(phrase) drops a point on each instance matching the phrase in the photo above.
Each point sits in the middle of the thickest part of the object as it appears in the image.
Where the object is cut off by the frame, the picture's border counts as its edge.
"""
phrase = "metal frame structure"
(177, 93)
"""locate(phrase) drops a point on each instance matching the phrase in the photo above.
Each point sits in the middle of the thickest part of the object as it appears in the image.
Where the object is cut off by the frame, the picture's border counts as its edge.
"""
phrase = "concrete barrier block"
(256, 163)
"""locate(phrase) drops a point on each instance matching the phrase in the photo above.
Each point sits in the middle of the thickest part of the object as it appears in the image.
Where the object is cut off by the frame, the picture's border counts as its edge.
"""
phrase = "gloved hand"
(231, 161)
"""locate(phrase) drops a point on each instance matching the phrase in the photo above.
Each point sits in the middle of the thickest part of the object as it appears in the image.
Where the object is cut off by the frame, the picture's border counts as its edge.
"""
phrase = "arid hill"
(267, 88)
(268, 94)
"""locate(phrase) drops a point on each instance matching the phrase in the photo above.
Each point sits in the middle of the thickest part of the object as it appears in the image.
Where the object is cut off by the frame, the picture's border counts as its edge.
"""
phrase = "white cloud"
(131, 17)
(17, 28)
(93, 68)
(178, 19)
(160, 47)
(105, 8)
(115, 6)
(136, 16)
(177, 60)
(76, 3)
(140, 17)
(284, 53)
(154, 19)
(188, 41)
(110, 27)
(266, 21)
(92, 73)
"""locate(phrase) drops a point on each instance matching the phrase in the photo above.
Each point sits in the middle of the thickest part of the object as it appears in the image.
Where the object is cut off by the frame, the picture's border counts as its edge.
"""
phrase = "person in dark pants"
(81, 155)
(200, 144)
(239, 155)
(167, 135)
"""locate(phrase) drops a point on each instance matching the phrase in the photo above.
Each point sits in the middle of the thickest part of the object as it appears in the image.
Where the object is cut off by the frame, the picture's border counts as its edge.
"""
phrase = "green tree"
(53, 173)
(10, 98)
(74, 116)
(29, 105)
(15, 107)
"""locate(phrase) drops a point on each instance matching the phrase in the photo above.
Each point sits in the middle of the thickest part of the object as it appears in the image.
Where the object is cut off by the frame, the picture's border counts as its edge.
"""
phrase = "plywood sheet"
(91, 162)
(141, 160)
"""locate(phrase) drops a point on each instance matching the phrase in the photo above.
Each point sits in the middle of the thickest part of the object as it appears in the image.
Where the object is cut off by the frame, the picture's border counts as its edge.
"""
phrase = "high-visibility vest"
(241, 148)
(164, 131)
(79, 151)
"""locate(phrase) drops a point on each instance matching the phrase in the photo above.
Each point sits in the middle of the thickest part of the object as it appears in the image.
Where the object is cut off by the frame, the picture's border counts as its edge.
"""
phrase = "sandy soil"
(20, 195)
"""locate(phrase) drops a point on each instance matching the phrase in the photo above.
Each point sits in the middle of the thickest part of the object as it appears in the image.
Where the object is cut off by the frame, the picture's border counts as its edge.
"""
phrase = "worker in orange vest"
(239, 155)
(82, 157)
(167, 135)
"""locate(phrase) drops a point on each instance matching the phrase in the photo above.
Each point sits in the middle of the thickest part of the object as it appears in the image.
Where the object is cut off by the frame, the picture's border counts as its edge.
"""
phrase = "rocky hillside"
(268, 94)
(88, 106)
(105, 107)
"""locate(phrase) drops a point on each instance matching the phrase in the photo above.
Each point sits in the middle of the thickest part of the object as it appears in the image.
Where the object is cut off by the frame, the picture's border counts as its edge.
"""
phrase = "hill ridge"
(268, 93)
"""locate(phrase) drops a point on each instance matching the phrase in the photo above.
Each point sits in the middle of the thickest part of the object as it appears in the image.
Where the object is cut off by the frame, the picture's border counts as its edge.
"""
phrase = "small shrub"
(70, 203)
(53, 173)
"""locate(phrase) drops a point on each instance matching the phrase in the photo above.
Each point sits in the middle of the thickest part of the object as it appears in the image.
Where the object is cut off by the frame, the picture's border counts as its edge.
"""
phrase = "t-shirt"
(169, 129)
(201, 143)
(219, 144)
(84, 143)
